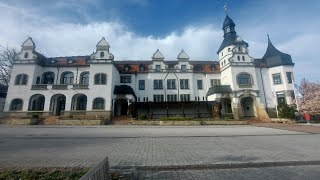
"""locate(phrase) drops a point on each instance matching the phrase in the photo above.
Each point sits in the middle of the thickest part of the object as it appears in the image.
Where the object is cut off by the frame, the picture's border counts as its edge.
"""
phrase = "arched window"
(243, 58)
(84, 78)
(48, 78)
(229, 49)
(21, 79)
(244, 79)
(98, 103)
(16, 105)
(67, 78)
(240, 48)
(100, 78)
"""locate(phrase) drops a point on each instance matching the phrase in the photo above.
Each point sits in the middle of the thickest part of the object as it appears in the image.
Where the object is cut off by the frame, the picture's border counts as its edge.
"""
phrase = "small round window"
(102, 54)
(26, 55)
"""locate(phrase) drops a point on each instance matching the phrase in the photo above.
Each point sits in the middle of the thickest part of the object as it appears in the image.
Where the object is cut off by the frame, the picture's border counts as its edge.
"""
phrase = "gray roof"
(218, 89)
(230, 38)
(124, 89)
(273, 57)
(227, 21)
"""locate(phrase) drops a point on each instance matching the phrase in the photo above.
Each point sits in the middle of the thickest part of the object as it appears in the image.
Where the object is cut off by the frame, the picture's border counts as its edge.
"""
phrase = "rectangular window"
(183, 68)
(276, 78)
(215, 82)
(293, 97)
(125, 79)
(289, 77)
(138, 99)
(199, 84)
(141, 84)
(158, 68)
(157, 84)
(184, 97)
(158, 98)
(184, 83)
(281, 97)
(172, 97)
(171, 84)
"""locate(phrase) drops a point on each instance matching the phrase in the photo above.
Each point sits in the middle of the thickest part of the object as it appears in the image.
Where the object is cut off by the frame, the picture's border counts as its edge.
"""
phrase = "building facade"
(99, 86)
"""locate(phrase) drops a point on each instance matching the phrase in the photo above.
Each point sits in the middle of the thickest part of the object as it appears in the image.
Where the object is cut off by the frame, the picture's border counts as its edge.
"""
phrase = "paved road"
(130, 147)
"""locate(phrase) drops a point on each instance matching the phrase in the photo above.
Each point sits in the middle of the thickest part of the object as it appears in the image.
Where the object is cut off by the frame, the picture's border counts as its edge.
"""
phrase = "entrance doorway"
(57, 104)
(121, 107)
(247, 107)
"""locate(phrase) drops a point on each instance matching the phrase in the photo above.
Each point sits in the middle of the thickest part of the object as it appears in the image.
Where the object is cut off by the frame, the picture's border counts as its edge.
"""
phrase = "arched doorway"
(247, 107)
(79, 102)
(36, 102)
(121, 107)
(57, 104)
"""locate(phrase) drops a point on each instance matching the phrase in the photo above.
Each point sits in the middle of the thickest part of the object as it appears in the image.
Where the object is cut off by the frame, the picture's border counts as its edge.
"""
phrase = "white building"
(99, 86)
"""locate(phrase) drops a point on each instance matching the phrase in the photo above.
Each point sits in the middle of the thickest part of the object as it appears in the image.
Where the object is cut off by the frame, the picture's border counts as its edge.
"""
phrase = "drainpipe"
(165, 89)
(57, 75)
(178, 86)
(264, 93)
(77, 75)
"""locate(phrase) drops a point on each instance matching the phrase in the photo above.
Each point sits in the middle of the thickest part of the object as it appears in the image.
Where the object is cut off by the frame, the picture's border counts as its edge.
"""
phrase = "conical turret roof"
(273, 57)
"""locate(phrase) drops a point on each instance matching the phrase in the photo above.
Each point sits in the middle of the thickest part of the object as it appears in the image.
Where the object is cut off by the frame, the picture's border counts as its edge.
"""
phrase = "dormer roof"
(103, 43)
(273, 57)
(157, 55)
(183, 55)
(28, 44)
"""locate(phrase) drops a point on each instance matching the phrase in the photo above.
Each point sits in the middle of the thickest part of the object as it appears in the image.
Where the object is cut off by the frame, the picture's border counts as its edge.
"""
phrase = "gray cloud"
(59, 37)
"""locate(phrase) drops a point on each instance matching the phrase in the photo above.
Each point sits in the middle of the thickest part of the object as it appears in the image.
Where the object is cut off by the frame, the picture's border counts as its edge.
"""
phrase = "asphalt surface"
(156, 152)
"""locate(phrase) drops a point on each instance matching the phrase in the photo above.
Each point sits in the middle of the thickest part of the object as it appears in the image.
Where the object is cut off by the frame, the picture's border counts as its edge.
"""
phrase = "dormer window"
(212, 67)
(229, 49)
(198, 67)
(141, 67)
(183, 67)
(158, 68)
(53, 61)
(70, 61)
(101, 54)
(126, 67)
(26, 55)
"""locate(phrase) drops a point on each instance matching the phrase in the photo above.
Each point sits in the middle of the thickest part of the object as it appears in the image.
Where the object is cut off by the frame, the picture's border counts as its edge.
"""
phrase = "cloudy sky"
(136, 28)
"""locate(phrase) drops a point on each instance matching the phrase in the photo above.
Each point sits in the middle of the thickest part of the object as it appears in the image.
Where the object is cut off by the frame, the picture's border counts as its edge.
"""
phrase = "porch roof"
(219, 89)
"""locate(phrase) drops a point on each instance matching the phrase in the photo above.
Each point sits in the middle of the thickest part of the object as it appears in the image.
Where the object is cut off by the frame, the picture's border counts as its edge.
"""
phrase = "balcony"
(80, 86)
(39, 87)
(60, 86)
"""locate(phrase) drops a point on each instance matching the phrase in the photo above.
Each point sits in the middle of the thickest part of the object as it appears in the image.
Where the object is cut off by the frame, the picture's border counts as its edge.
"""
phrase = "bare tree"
(6, 60)
(310, 92)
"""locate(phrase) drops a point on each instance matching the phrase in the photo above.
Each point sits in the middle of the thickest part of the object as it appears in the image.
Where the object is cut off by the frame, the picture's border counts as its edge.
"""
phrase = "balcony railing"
(80, 86)
(39, 87)
(60, 86)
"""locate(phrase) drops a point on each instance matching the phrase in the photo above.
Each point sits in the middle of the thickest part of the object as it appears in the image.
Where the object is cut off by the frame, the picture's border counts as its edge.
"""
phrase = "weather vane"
(226, 8)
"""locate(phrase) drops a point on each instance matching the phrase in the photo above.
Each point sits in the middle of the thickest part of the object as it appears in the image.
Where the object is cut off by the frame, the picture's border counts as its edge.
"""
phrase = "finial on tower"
(225, 9)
